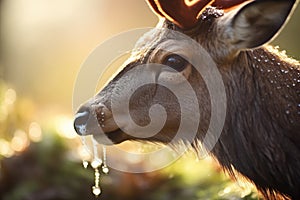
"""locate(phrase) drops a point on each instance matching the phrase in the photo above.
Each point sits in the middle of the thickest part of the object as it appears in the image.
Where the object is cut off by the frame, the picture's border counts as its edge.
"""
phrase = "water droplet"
(299, 105)
(278, 64)
(255, 57)
(268, 70)
(85, 164)
(273, 59)
(287, 112)
(293, 84)
(278, 87)
(96, 163)
(105, 169)
(271, 81)
(258, 60)
(96, 190)
(82, 129)
(298, 81)
(266, 61)
(97, 175)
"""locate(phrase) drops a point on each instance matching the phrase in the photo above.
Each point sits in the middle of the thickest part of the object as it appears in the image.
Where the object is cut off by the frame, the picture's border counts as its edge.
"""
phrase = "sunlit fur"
(260, 139)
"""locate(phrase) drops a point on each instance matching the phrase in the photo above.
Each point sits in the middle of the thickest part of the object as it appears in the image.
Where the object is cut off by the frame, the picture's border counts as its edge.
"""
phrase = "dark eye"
(176, 62)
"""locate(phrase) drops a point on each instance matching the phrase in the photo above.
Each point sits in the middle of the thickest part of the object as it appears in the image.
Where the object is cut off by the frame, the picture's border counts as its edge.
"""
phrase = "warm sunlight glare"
(64, 127)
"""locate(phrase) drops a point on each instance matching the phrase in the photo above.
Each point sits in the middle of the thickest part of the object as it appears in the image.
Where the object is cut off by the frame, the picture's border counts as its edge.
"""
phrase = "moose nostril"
(80, 122)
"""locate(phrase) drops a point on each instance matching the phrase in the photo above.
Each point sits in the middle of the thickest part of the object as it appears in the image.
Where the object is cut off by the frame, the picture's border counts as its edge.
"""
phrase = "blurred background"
(42, 46)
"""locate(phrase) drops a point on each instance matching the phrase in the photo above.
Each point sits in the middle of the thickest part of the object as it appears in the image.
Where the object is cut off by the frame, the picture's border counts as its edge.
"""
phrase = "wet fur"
(260, 139)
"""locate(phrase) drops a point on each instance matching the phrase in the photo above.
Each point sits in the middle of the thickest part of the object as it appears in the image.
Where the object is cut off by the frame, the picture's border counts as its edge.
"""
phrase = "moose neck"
(255, 122)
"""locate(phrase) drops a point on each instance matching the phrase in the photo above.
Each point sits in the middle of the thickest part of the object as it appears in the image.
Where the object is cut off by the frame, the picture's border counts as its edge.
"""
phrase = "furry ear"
(257, 22)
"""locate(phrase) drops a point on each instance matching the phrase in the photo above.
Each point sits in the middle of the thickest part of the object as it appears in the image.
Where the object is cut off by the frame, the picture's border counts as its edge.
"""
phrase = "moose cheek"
(146, 97)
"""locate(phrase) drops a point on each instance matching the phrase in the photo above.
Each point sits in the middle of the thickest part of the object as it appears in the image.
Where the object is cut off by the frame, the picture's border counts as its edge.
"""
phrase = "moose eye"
(176, 62)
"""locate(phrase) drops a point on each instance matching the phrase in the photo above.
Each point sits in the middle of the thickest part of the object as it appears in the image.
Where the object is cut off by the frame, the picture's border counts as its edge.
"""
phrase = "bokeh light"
(10, 96)
(19, 141)
(64, 127)
(43, 44)
(35, 132)
(5, 149)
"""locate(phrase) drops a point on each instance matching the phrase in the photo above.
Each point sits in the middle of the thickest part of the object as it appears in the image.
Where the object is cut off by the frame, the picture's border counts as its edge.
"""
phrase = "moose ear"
(257, 22)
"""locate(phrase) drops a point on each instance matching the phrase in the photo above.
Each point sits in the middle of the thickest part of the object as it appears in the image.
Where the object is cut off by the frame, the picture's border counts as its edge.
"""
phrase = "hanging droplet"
(105, 169)
(96, 163)
(96, 190)
(85, 164)
(104, 155)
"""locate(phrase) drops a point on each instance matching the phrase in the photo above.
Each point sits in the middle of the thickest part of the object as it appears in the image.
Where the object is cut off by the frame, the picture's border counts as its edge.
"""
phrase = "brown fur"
(261, 135)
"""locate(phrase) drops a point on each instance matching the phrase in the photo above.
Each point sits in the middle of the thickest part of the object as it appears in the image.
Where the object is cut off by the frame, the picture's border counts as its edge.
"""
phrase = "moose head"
(199, 50)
